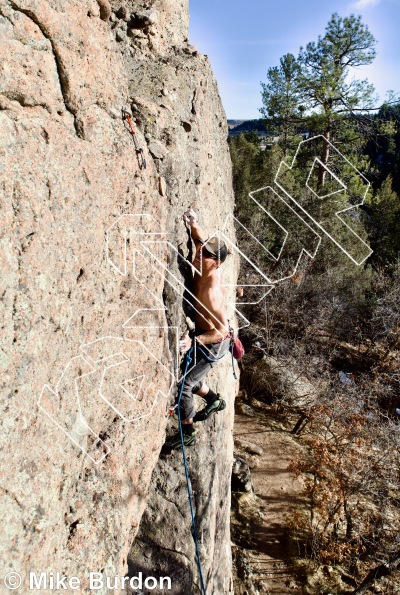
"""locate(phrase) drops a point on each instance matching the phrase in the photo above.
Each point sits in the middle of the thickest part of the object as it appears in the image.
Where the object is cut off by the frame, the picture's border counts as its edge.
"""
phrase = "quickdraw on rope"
(233, 361)
(127, 117)
(188, 359)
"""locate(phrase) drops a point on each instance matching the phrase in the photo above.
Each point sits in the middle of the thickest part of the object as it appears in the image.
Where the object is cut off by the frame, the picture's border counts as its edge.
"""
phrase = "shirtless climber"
(211, 337)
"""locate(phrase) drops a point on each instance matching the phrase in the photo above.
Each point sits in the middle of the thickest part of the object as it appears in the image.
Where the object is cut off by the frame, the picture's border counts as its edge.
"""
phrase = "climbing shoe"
(175, 441)
(205, 413)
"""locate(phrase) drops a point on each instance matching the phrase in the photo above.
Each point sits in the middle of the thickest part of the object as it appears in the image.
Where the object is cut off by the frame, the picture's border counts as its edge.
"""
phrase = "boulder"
(241, 476)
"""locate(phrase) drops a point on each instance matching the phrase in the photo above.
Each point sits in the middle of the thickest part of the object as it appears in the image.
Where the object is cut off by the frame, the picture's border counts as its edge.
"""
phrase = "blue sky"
(243, 38)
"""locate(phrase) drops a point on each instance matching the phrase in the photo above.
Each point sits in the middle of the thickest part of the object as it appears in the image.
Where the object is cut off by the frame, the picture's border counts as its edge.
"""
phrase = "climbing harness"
(188, 360)
(207, 355)
(127, 117)
(235, 347)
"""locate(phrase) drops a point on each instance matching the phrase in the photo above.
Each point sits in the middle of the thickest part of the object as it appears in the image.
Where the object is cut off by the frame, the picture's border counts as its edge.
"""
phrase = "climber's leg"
(192, 382)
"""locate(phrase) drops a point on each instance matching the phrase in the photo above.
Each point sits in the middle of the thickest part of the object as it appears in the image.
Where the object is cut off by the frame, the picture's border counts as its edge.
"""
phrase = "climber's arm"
(197, 233)
(214, 303)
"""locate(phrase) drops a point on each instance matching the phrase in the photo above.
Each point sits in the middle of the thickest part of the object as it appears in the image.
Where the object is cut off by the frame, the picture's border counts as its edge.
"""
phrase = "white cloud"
(360, 4)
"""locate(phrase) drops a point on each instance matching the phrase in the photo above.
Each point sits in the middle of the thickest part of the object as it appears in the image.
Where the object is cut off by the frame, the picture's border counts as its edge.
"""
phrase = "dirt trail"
(277, 495)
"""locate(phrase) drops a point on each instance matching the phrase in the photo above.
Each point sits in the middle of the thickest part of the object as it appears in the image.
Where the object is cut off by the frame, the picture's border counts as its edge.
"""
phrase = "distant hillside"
(234, 123)
(239, 126)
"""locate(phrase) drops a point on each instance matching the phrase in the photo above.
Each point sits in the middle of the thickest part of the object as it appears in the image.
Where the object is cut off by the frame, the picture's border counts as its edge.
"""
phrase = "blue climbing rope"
(188, 359)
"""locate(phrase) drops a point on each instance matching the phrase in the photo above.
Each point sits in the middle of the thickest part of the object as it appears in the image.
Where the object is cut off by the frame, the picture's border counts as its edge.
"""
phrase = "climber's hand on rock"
(185, 343)
(190, 217)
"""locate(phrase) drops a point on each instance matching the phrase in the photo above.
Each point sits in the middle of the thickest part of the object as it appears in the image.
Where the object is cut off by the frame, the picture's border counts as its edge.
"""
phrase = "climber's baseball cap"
(216, 247)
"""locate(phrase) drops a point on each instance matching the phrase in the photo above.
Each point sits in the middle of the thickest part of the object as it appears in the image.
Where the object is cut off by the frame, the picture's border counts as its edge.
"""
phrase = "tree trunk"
(349, 521)
(324, 157)
(299, 427)
(376, 573)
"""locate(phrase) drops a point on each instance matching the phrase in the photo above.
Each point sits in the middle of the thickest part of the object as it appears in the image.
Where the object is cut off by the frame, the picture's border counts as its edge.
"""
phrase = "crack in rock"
(61, 71)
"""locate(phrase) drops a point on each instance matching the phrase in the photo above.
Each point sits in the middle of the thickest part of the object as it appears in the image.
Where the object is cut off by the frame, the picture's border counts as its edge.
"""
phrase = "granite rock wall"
(84, 390)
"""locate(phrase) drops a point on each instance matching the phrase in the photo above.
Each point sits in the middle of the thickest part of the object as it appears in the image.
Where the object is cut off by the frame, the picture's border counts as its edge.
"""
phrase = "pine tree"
(315, 90)
(281, 97)
(325, 74)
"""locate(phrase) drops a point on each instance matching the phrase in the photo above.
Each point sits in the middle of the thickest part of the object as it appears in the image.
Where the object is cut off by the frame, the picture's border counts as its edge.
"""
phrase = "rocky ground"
(263, 552)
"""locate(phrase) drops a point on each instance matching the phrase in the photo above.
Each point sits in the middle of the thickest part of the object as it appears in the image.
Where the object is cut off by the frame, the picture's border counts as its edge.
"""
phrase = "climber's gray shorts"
(198, 370)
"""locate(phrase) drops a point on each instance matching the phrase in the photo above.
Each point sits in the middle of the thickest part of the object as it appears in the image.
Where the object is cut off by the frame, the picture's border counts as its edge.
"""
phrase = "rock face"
(85, 391)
